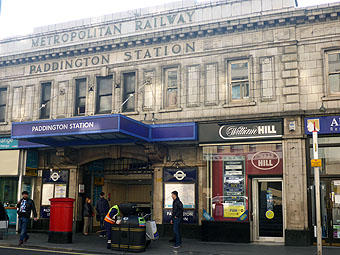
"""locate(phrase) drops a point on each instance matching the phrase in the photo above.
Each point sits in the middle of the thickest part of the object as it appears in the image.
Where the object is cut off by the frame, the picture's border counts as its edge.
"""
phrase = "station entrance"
(123, 180)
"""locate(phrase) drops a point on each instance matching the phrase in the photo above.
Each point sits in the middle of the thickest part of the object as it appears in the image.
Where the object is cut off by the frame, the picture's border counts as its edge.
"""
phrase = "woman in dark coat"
(88, 214)
(3, 214)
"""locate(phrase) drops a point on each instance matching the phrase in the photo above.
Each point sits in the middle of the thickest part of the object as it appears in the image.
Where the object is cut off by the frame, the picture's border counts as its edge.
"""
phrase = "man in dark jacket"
(102, 208)
(24, 208)
(177, 215)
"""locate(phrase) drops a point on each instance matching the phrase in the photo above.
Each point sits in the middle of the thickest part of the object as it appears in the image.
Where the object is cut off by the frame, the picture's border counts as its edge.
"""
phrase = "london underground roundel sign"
(265, 160)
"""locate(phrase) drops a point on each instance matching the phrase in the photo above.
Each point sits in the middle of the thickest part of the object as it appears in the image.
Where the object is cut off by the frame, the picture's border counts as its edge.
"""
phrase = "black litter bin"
(130, 235)
(128, 209)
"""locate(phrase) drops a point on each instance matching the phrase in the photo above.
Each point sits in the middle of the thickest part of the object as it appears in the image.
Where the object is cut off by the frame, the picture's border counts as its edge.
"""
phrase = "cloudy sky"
(19, 17)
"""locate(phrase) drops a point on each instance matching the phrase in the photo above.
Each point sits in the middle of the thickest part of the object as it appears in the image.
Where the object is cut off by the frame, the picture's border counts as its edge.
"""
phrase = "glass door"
(268, 210)
(330, 209)
(335, 210)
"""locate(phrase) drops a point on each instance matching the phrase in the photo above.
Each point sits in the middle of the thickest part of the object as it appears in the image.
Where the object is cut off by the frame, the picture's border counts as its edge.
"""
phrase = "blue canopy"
(94, 130)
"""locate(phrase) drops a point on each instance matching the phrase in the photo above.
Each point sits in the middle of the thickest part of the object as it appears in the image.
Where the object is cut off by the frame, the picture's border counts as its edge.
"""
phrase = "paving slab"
(94, 245)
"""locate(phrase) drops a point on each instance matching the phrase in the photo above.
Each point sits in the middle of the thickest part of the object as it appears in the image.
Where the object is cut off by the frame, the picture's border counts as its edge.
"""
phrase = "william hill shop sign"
(223, 132)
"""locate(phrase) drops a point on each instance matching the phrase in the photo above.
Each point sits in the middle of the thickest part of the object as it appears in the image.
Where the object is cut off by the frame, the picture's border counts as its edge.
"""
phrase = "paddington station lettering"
(69, 64)
(111, 30)
(104, 59)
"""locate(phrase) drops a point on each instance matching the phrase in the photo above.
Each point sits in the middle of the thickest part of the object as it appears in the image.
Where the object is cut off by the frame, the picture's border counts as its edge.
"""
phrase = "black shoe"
(108, 246)
(172, 240)
(21, 242)
(26, 239)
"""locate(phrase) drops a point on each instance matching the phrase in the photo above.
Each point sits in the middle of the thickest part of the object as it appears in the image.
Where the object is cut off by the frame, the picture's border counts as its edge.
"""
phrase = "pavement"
(92, 244)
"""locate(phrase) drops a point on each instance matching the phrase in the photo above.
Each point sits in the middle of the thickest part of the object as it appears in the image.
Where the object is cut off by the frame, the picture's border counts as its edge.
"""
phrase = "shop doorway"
(330, 210)
(267, 201)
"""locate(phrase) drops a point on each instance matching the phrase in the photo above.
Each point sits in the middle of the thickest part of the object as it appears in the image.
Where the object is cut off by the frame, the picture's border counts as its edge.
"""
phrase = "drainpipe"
(21, 166)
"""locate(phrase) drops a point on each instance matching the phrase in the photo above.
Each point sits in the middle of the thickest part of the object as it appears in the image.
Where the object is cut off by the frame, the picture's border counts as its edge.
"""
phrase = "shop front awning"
(96, 130)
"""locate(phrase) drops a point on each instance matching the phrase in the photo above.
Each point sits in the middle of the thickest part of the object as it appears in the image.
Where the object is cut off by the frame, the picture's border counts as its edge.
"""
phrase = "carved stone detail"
(156, 153)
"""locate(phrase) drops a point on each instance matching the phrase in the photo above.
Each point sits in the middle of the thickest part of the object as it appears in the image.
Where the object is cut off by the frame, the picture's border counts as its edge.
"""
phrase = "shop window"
(80, 100)
(171, 79)
(327, 140)
(334, 72)
(252, 147)
(45, 107)
(129, 87)
(230, 168)
(104, 94)
(330, 157)
(236, 148)
(8, 191)
(3, 104)
(239, 79)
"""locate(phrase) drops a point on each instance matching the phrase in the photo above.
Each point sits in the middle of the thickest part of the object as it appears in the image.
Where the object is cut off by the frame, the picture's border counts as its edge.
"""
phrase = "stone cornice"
(293, 17)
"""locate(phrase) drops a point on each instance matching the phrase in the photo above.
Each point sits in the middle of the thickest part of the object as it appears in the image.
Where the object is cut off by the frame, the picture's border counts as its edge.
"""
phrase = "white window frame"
(327, 73)
(75, 110)
(6, 103)
(230, 82)
(134, 94)
(165, 82)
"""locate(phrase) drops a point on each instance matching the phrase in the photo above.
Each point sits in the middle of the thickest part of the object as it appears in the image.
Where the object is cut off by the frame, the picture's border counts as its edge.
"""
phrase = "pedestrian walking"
(177, 215)
(110, 219)
(88, 214)
(24, 209)
(102, 208)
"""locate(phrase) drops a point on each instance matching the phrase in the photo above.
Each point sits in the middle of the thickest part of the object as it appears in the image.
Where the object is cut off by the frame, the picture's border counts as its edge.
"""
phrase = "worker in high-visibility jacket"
(110, 219)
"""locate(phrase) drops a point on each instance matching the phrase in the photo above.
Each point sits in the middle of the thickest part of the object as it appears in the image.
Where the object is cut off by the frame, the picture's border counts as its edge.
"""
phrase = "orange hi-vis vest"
(111, 219)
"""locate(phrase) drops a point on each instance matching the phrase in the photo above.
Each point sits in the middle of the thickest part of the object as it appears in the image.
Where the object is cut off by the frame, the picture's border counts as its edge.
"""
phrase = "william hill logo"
(227, 132)
(265, 160)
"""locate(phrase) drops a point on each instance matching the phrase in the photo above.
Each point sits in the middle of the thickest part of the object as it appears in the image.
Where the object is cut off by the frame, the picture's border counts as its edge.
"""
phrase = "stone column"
(295, 184)
(158, 195)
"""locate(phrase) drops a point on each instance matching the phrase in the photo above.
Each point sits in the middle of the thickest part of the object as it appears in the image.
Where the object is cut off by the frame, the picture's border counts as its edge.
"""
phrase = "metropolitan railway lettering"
(78, 35)
(114, 29)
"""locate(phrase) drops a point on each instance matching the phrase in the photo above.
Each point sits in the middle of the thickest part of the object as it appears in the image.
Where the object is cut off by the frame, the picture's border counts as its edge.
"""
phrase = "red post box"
(61, 220)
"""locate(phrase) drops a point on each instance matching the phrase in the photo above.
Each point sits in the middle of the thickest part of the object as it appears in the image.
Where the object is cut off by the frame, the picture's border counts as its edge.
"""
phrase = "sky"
(19, 17)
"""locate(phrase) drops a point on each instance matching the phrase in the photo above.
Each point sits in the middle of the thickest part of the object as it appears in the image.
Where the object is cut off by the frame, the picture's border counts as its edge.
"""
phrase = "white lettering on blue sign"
(334, 123)
(56, 127)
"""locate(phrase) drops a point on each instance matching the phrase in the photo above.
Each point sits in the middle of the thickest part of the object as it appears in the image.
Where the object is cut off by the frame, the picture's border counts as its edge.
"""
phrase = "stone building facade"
(222, 88)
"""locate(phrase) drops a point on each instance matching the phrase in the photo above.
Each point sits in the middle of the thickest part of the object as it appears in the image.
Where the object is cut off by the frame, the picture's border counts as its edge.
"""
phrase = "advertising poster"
(233, 211)
(47, 193)
(60, 190)
(234, 187)
(186, 192)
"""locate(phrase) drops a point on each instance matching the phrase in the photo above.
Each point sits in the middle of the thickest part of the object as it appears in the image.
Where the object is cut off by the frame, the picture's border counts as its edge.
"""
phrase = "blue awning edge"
(94, 130)
(186, 131)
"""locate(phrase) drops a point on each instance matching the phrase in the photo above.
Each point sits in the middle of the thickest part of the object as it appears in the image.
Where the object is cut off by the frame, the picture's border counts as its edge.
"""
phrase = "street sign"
(316, 162)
